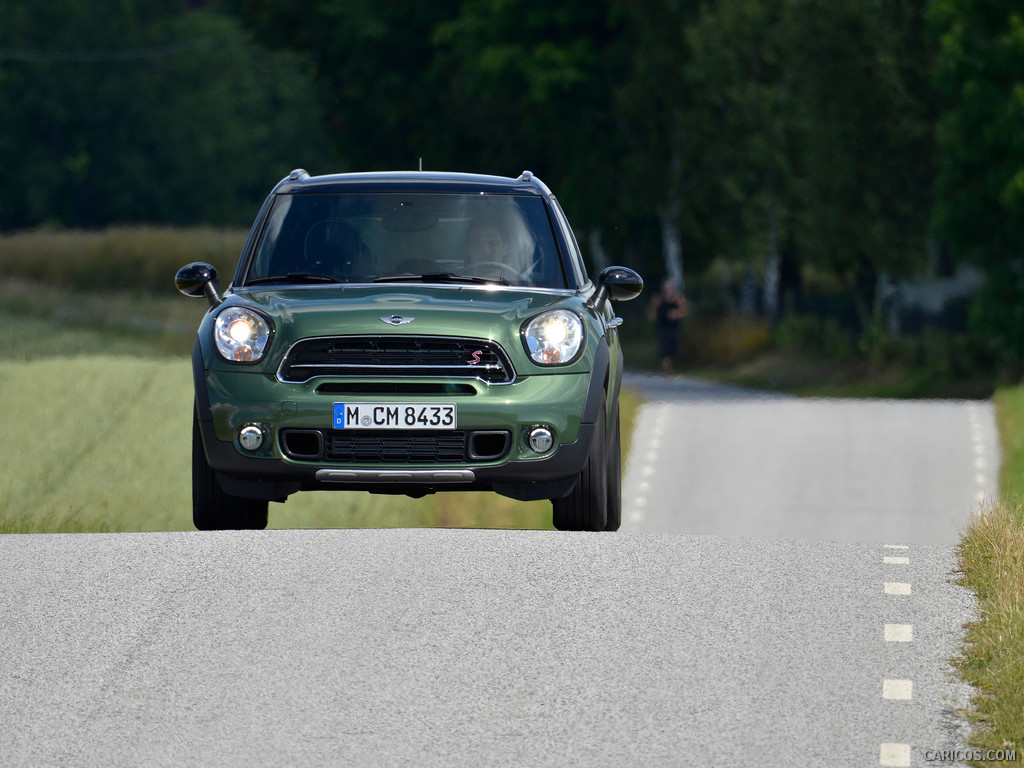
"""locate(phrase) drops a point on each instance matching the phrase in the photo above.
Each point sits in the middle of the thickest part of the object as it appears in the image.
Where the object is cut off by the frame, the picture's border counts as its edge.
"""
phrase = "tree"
(864, 150)
(979, 207)
(980, 187)
(740, 73)
(144, 111)
(490, 86)
(528, 85)
(663, 134)
(372, 59)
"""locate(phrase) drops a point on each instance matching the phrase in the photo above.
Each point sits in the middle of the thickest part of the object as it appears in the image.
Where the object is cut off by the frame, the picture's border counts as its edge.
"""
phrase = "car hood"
(420, 310)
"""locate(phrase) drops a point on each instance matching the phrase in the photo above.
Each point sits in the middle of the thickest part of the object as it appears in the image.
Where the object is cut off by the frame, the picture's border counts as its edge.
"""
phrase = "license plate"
(394, 416)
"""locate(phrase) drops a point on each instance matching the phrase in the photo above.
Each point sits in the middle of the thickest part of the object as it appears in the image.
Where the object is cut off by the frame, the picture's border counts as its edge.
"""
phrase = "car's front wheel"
(212, 509)
(586, 508)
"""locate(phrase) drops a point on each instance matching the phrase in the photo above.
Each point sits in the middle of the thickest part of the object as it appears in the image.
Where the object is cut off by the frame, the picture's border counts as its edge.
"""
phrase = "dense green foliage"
(144, 111)
(979, 207)
(862, 139)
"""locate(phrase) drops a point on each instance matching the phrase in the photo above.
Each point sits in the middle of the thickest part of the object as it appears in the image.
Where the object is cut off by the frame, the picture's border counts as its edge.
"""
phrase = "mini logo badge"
(397, 320)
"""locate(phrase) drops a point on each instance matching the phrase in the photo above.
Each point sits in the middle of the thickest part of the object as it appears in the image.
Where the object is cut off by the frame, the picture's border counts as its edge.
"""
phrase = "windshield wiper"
(294, 277)
(443, 277)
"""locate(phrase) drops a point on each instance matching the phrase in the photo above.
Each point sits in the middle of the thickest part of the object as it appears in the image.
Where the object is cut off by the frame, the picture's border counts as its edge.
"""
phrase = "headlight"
(241, 335)
(553, 338)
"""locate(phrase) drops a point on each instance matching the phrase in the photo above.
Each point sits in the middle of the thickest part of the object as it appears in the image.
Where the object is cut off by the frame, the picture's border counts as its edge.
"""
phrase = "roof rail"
(298, 173)
(526, 176)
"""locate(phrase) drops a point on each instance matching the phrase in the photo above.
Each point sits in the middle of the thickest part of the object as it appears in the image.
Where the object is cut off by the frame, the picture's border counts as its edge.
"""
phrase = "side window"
(578, 268)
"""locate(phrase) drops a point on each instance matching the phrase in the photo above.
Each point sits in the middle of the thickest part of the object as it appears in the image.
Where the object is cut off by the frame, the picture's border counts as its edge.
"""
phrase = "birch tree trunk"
(672, 244)
(772, 265)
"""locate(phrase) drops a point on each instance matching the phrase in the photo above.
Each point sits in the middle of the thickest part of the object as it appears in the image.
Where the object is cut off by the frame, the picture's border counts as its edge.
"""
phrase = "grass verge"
(804, 375)
(991, 564)
(103, 443)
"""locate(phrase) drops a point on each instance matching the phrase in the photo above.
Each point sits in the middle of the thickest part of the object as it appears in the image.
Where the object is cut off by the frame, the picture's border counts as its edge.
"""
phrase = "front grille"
(389, 356)
(444, 448)
(357, 447)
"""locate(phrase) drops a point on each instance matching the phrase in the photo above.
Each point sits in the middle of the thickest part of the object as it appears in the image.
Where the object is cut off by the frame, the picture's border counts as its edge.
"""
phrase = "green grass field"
(103, 443)
(97, 395)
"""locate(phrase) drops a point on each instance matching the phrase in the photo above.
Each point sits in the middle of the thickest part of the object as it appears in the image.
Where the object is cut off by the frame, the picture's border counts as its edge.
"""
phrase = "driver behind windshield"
(488, 253)
(485, 243)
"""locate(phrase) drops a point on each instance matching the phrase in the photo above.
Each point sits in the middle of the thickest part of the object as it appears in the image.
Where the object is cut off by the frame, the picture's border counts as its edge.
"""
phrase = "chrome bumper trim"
(422, 476)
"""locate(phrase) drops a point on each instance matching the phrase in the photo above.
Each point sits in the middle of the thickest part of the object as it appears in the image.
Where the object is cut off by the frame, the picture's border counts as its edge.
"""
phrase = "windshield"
(419, 237)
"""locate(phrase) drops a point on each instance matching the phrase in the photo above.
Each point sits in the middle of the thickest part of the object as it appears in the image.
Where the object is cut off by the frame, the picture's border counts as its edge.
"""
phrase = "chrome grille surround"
(394, 355)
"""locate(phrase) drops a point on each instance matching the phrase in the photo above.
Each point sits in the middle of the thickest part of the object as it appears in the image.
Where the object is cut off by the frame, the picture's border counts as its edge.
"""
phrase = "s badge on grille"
(397, 320)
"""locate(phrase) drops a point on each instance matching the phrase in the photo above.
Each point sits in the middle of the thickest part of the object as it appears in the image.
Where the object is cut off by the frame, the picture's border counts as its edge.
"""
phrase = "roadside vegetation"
(815, 357)
(991, 564)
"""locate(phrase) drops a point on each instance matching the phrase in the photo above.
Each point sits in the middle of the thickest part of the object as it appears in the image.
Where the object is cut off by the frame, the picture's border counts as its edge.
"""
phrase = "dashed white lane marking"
(899, 633)
(652, 451)
(896, 588)
(980, 460)
(898, 690)
(896, 755)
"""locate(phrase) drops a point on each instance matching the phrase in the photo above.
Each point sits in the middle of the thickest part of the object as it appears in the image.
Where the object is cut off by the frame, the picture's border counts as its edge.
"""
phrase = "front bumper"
(548, 477)
(568, 404)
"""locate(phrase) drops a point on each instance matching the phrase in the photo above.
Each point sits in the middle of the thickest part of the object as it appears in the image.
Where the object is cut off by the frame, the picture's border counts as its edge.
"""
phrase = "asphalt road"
(427, 647)
(381, 648)
(724, 461)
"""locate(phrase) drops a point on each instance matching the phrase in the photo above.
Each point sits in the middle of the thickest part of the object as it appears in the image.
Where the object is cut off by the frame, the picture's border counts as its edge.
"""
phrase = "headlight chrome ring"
(554, 337)
(241, 335)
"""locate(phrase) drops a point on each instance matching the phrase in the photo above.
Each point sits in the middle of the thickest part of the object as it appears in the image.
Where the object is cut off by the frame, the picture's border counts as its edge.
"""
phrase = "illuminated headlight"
(553, 338)
(241, 335)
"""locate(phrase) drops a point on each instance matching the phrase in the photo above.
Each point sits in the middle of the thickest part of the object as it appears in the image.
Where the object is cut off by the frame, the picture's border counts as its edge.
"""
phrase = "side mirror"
(617, 284)
(199, 279)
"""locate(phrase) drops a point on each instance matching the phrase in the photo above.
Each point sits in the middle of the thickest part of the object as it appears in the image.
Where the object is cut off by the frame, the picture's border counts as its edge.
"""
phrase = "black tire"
(585, 509)
(212, 509)
(614, 510)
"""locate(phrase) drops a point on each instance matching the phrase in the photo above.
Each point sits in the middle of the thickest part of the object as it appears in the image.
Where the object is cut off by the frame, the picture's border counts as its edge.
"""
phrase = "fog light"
(541, 439)
(251, 437)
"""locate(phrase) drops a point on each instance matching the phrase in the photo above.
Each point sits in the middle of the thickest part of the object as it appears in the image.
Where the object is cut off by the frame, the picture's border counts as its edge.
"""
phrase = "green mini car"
(408, 333)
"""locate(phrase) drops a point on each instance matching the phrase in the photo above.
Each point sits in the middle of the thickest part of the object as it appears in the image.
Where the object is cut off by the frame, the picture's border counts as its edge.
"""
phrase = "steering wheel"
(510, 273)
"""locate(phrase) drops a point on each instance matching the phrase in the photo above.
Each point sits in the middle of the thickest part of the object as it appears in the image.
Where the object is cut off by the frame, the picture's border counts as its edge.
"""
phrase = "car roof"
(299, 181)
